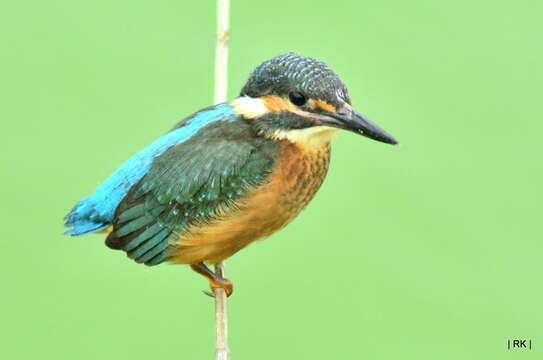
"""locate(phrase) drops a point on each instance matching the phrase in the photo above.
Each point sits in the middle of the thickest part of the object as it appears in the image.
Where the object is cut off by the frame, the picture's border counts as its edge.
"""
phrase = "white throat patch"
(316, 136)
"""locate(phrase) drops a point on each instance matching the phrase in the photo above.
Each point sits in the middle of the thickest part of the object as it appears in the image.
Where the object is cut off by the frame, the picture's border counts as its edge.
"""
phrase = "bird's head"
(299, 98)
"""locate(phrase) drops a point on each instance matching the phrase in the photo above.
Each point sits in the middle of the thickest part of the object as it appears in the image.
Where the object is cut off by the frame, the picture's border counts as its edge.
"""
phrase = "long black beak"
(348, 119)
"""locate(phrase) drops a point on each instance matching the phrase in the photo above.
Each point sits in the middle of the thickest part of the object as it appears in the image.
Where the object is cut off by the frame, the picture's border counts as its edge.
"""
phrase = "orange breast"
(294, 181)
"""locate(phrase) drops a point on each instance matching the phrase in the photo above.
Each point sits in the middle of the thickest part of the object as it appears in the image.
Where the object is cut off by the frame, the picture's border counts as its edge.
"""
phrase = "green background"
(430, 250)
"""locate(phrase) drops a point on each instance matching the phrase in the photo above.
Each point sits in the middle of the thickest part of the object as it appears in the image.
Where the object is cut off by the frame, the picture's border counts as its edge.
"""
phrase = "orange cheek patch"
(323, 105)
(277, 104)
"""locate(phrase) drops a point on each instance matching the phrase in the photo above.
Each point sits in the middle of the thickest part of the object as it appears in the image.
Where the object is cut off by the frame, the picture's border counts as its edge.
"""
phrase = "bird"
(229, 174)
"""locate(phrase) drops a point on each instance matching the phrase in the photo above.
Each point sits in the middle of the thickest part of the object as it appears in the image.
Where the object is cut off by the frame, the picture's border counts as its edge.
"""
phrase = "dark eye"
(297, 98)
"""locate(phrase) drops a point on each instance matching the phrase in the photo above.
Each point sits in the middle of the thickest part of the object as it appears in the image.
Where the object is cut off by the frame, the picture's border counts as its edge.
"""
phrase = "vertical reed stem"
(221, 320)
(221, 52)
(221, 78)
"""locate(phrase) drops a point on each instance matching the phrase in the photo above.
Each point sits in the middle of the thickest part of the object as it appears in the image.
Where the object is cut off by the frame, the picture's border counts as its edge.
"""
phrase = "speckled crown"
(292, 71)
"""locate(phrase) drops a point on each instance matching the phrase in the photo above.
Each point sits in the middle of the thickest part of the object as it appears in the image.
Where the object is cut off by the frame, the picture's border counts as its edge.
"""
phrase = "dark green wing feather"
(190, 183)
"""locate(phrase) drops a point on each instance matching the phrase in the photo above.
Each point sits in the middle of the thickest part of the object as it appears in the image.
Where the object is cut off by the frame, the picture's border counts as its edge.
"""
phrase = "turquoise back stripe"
(96, 211)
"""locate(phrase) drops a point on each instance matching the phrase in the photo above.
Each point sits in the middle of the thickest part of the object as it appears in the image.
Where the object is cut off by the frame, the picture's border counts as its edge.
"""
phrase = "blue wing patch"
(96, 212)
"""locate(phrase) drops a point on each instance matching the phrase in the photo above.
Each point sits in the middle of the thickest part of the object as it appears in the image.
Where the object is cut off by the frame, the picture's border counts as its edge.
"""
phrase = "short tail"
(83, 219)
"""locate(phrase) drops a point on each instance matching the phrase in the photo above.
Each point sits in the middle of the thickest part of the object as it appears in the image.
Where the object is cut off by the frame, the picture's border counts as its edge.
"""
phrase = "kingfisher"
(228, 174)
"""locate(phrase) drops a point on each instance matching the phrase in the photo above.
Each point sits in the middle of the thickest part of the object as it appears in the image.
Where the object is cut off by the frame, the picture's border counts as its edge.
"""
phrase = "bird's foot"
(216, 280)
(220, 283)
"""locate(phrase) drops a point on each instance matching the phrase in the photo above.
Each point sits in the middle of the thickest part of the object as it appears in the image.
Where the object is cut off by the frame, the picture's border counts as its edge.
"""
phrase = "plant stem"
(221, 51)
(221, 78)
(221, 320)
